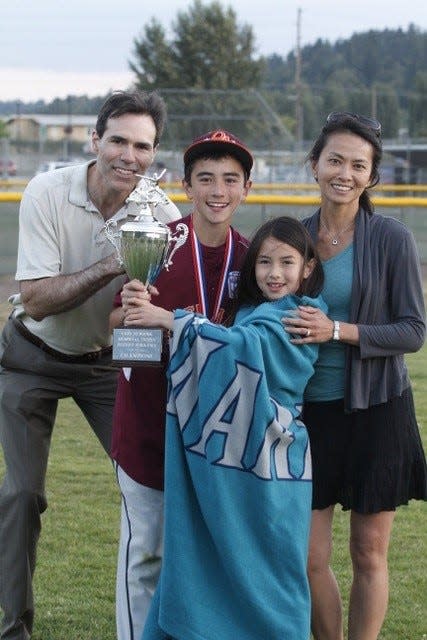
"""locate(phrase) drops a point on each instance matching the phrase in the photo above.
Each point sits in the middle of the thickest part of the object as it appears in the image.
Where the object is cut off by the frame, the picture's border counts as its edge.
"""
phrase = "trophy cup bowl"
(143, 249)
(144, 246)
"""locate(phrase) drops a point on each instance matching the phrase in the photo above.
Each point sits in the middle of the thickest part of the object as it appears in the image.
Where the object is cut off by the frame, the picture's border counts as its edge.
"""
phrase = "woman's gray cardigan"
(387, 304)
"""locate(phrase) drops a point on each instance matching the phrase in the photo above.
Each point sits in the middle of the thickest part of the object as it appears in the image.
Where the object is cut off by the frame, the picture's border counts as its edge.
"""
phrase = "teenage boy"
(217, 169)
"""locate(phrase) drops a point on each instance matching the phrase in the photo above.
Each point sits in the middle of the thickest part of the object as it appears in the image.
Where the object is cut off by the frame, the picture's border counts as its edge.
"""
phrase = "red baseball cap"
(219, 140)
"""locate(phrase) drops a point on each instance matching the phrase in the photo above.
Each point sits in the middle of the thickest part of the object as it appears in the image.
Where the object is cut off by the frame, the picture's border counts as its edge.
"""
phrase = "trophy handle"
(175, 242)
(112, 233)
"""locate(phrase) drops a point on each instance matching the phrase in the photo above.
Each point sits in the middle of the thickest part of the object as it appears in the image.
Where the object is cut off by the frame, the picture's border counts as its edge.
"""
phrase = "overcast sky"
(51, 48)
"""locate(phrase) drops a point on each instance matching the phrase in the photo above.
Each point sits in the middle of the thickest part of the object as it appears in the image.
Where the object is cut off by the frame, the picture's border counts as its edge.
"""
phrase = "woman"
(367, 453)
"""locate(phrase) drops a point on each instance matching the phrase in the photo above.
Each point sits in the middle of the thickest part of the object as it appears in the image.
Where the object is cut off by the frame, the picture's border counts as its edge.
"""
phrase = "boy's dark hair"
(352, 123)
(120, 103)
(284, 229)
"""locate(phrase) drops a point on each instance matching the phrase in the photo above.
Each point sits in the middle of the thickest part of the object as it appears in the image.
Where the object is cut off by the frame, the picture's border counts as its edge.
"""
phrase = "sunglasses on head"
(371, 123)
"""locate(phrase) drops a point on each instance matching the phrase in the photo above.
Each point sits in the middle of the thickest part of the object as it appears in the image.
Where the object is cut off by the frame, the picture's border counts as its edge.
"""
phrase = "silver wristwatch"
(336, 333)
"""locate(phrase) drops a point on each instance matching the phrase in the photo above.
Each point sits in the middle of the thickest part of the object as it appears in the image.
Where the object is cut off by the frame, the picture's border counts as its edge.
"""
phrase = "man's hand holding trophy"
(144, 246)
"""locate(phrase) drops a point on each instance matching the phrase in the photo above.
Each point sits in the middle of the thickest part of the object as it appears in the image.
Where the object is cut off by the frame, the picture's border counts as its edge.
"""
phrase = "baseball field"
(75, 576)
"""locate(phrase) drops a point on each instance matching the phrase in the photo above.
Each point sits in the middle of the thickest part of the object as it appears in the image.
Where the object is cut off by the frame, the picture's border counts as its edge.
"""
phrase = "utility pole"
(374, 101)
(298, 89)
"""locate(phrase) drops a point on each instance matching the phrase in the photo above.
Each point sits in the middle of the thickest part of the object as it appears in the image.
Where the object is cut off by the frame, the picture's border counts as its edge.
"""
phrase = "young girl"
(238, 466)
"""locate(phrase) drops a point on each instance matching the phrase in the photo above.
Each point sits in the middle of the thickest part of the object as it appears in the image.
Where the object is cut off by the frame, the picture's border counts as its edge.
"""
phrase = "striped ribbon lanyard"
(199, 274)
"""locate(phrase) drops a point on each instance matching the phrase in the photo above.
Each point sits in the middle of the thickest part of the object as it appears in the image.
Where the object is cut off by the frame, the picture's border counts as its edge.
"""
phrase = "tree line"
(209, 74)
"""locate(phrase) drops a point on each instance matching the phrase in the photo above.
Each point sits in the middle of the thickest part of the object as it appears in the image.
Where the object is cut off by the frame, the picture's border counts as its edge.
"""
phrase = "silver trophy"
(144, 247)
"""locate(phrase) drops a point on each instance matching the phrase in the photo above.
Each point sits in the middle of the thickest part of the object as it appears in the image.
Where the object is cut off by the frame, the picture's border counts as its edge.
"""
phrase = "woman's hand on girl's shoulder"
(310, 324)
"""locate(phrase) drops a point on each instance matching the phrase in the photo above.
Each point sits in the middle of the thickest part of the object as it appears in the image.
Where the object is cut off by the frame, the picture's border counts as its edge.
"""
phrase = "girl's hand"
(309, 325)
(146, 314)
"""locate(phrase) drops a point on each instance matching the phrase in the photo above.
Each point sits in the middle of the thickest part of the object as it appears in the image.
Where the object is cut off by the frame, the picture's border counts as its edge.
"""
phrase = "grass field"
(74, 581)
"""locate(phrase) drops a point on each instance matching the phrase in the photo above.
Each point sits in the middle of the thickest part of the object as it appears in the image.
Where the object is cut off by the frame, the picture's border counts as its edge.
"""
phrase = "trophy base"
(134, 347)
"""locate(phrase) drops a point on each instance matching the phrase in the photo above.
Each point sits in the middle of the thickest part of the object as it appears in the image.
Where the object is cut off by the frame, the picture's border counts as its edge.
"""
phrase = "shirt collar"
(78, 190)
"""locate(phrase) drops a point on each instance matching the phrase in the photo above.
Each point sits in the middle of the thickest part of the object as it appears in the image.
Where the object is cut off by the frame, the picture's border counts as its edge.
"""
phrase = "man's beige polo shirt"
(61, 232)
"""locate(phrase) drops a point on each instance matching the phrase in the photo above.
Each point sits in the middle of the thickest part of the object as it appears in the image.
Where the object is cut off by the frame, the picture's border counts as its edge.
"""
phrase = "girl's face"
(343, 170)
(280, 269)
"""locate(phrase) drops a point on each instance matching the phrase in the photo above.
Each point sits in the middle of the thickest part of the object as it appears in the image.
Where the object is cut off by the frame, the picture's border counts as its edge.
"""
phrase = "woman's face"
(344, 168)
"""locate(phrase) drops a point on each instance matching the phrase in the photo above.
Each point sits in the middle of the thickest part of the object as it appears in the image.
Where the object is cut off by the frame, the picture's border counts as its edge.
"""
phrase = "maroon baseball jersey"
(140, 408)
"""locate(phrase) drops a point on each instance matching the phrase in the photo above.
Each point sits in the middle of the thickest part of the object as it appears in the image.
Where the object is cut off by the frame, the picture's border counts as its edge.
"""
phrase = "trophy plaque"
(144, 247)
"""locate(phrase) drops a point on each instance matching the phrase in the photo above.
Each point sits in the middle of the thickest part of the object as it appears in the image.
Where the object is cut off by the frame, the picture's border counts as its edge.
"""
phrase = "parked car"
(50, 165)
(7, 167)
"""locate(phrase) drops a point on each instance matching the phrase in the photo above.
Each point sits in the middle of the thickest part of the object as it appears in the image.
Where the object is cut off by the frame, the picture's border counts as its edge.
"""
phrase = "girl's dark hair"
(292, 232)
(351, 123)
(120, 103)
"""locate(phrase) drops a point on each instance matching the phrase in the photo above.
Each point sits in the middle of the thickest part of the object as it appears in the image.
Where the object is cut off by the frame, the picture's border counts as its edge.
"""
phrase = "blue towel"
(237, 481)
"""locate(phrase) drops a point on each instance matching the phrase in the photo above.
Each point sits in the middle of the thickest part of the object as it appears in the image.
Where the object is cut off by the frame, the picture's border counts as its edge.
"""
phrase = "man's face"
(125, 150)
(217, 188)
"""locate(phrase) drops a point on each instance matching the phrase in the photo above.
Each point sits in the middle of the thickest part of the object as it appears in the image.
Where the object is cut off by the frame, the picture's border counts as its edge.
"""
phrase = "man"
(56, 343)
(217, 170)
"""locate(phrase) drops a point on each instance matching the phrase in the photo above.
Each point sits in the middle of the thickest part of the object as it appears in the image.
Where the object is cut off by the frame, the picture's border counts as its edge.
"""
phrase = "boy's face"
(216, 190)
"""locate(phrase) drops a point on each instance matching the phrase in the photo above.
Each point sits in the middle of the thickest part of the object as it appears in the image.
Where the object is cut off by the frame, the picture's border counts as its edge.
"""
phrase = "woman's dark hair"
(120, 103)
(292, 232)
(347, 122)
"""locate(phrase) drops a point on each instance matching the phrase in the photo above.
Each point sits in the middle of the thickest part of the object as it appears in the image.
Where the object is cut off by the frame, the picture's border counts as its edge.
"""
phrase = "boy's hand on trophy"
(135, 292)
(152, 290)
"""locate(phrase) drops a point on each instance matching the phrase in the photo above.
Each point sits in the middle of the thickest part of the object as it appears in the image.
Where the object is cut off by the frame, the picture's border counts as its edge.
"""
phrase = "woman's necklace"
(335, 238)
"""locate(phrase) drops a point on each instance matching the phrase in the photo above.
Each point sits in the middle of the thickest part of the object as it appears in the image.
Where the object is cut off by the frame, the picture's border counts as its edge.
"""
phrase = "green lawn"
(74, 582)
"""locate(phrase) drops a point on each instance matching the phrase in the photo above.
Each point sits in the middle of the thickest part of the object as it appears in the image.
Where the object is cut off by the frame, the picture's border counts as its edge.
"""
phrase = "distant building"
(50, 128)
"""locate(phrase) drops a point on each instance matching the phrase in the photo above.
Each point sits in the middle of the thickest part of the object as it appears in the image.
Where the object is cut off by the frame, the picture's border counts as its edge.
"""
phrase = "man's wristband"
(336, 333)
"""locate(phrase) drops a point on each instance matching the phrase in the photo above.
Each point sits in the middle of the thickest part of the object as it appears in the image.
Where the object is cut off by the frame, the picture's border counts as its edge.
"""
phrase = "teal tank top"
(327, 382)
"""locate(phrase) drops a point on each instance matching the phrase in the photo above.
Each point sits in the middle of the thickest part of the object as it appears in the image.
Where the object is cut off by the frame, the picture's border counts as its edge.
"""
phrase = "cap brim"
(207, 147)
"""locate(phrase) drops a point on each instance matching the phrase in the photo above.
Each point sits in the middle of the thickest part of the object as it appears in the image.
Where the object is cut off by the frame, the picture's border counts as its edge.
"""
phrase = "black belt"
(84, 358)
